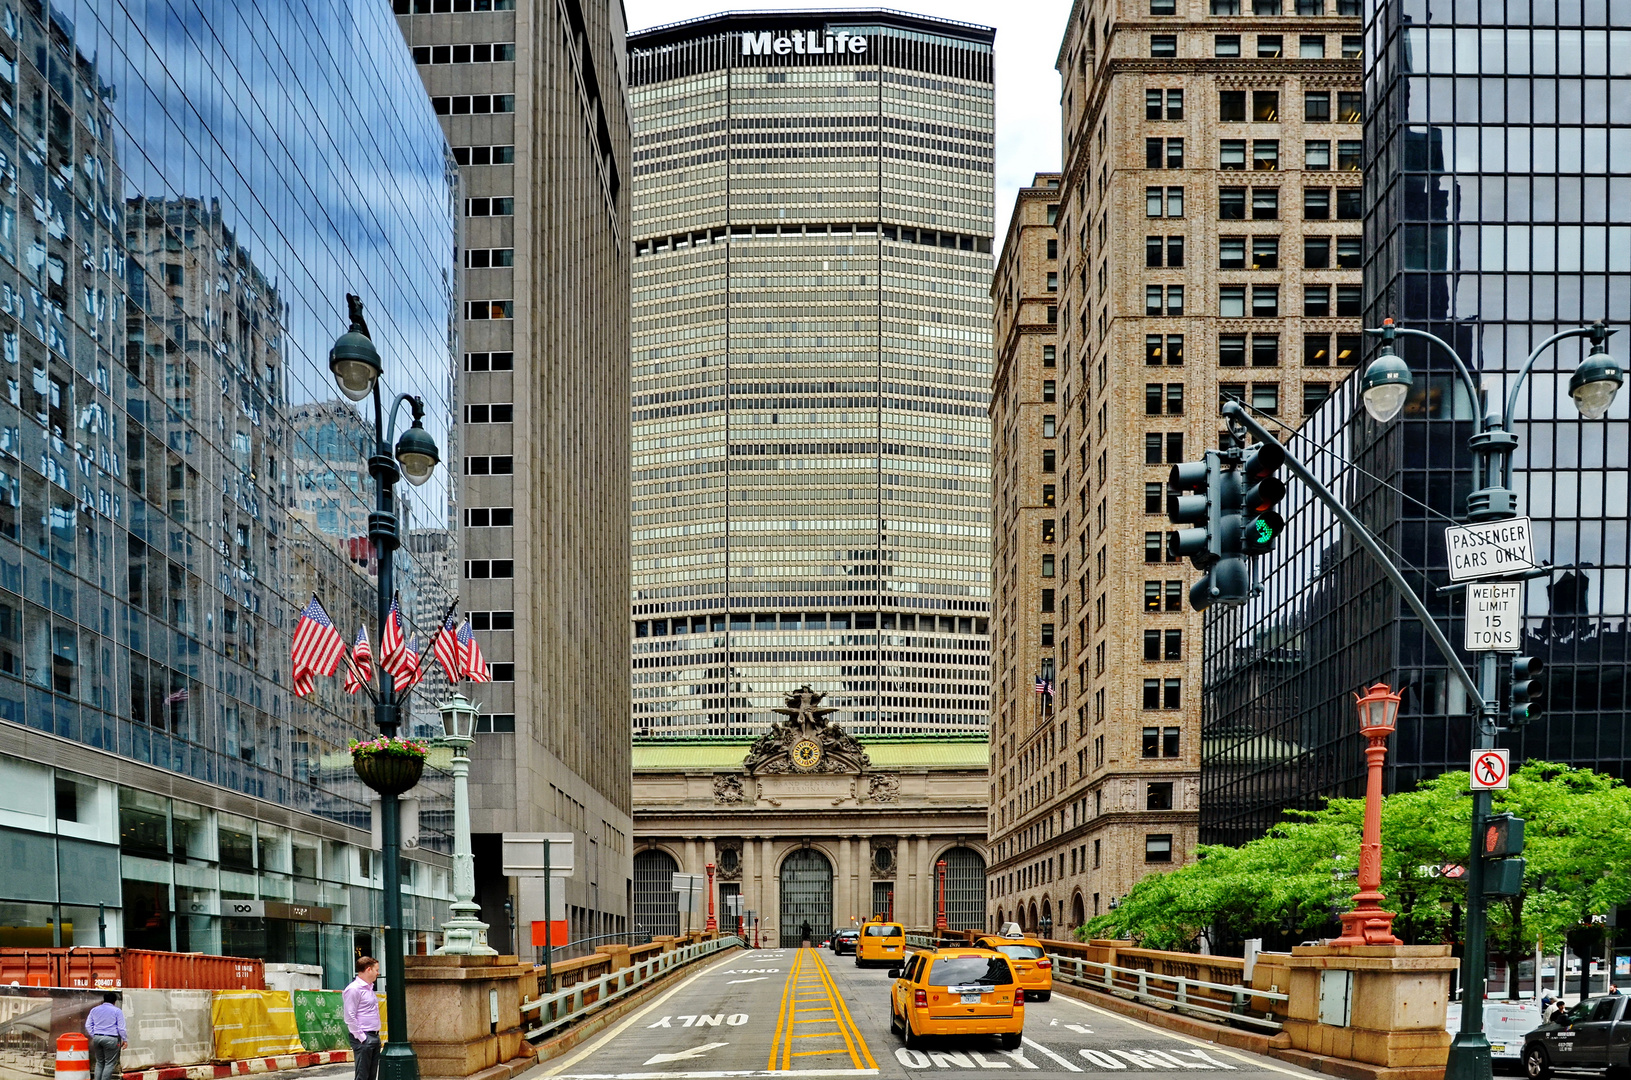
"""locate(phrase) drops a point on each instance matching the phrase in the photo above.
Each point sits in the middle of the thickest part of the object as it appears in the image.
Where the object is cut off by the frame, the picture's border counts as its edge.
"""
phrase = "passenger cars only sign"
(1492, 549)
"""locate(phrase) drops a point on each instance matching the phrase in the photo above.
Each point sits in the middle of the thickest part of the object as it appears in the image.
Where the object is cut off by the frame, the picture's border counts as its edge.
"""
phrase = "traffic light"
(1528, 690)
(1192, 493)
(1503, 836)
(1504, 877)
(1207, 496)
(1261, 489)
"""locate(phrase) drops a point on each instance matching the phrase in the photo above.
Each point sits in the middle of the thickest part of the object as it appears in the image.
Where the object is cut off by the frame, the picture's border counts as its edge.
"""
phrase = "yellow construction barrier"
(253, 1024)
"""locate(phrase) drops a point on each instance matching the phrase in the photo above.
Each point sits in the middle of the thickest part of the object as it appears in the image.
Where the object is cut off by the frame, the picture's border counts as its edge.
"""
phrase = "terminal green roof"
(715, 755)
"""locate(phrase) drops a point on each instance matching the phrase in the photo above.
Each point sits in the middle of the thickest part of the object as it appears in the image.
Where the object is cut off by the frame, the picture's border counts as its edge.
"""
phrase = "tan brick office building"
(533, 101)
(1208, 240)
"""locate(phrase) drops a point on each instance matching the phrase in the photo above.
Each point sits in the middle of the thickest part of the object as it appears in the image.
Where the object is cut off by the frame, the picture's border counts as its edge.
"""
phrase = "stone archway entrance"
(806, 896)
(964, 889)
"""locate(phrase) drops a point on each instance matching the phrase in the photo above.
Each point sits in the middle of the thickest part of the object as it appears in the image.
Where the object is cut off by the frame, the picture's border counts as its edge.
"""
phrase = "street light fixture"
(1367, 923)
(1386, 385)
(357, 369)
(1595, 382)
(464, 934)
(354, 361)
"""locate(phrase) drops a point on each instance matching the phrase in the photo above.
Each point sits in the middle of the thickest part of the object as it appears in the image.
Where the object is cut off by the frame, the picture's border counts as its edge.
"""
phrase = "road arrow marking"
(733, 982)
(695, 1051)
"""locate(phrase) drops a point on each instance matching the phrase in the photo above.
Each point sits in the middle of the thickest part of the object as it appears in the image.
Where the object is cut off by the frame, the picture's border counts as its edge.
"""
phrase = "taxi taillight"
(920, 998)
(1044, 964)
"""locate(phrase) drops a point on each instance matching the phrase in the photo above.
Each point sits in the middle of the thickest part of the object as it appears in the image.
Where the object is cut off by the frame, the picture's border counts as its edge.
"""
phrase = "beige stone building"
(1208, 239)
(533, 100)
(806, 823)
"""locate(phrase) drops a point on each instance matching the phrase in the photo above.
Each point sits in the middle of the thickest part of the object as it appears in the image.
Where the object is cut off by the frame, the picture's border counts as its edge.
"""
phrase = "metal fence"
(551, 1011)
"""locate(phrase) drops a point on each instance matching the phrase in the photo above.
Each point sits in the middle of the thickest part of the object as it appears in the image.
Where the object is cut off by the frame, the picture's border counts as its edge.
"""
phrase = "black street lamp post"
(356, 366)
(1386, 384)
(1386, 387)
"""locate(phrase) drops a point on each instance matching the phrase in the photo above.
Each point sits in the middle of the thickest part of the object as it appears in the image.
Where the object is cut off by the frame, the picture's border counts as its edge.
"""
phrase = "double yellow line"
(811, 999)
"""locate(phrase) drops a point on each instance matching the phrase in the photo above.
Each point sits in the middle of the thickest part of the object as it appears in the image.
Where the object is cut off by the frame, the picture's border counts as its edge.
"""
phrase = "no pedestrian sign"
(1489, 770)
(1494, 616)
(1492, 549)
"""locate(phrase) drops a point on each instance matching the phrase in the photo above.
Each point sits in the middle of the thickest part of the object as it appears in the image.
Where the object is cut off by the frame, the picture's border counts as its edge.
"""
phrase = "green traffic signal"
(1261, 490)
(1528, 690)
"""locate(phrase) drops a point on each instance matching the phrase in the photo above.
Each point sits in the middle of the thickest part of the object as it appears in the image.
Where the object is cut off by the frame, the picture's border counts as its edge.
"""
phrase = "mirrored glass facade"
(189, 193)
(1496, 215)
(811, 371)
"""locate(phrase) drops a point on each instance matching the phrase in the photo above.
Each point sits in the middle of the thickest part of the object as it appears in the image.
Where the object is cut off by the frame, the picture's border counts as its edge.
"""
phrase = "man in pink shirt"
(361, 1010)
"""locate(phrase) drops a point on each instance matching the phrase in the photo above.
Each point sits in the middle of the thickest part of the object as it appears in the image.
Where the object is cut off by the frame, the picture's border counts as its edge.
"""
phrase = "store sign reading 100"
(801, 42)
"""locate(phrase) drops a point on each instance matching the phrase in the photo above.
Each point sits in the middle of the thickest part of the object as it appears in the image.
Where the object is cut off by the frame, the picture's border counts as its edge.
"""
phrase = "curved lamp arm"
(1390, 331)
(1596, 331)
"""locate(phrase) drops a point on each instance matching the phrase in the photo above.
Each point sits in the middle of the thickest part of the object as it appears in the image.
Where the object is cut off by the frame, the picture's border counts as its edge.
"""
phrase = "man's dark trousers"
(367, 1056)
(104, 1057)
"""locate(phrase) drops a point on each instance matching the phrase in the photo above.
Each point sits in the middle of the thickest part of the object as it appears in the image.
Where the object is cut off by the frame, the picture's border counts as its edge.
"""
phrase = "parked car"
(844, 941)
(956, 991)
(1032, 968)
(881, 943)
(1595, 1034)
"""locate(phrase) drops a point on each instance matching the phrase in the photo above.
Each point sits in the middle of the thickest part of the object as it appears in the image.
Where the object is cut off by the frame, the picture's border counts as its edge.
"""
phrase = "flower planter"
(388, 774)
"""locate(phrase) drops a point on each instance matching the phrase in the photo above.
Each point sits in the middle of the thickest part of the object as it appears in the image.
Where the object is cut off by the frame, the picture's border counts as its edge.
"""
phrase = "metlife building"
(811, 362)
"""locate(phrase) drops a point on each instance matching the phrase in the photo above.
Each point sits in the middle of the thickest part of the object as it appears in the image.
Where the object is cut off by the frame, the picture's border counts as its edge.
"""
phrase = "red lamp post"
(940, 897)
(891, 908)
(1367, 923)
(713, 924)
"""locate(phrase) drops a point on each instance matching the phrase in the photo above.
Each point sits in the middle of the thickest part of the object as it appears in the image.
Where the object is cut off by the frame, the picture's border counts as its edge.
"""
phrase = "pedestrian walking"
(361, 1010)
(106, 1027)
(805, 932)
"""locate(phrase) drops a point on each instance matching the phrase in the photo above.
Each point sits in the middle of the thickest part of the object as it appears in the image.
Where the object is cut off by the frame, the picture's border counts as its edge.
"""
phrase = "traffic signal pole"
(1469, 1050)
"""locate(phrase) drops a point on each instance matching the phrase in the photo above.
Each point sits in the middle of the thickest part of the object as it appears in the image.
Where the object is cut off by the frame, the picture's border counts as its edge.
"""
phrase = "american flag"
(361, 668)
(391, 639)
(447, 648)
(1043, 686)
(470, 658)
(409, 670)
(317, 647)
(177, 697)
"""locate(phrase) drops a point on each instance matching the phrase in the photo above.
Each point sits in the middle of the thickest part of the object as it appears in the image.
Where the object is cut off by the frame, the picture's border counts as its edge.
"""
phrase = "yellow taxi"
(880, 943)
(1032, 968)
(957, 991)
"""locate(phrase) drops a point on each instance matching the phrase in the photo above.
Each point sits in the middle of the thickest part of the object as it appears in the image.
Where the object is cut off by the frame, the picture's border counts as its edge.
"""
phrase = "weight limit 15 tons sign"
(1494, 616)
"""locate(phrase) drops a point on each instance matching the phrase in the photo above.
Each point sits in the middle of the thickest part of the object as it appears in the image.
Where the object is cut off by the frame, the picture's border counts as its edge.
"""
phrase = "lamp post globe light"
(357, 369)
(464, 934)
(1593, 387)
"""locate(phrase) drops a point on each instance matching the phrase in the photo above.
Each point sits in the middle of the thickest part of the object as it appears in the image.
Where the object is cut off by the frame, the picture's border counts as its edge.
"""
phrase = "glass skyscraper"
(190, 192)
(811, 371)
(1497, 213)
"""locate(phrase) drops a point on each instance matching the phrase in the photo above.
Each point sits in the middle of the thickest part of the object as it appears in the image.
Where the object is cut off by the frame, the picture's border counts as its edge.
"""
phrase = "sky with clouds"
(1028, 34)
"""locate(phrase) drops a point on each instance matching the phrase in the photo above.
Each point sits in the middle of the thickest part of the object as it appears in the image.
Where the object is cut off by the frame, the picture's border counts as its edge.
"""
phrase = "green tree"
(1578, 847)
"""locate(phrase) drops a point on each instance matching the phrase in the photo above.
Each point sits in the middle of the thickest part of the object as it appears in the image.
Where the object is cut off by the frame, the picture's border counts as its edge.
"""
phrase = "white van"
(1505, 1025)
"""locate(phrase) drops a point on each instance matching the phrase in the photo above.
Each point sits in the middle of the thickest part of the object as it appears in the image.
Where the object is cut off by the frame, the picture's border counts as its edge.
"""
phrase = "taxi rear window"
(884, 931)
(1021, 952)
(964, 970)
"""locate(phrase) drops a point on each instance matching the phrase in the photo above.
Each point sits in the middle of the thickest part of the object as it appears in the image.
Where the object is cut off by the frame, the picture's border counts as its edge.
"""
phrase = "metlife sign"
(801, 43)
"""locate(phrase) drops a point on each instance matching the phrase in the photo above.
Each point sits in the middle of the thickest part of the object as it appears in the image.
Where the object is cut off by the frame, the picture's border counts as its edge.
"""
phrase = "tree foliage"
(1294, 880)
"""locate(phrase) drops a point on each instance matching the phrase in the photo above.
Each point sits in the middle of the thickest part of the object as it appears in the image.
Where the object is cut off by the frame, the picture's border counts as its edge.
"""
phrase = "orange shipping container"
(96, 968)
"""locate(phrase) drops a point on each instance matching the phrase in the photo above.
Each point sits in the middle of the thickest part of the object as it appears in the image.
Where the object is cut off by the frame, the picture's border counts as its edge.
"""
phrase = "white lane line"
(734, 982)
(629, 1022)
(1039, 1048)
(1250, 1059)
(721, 1073)
(695, 1051)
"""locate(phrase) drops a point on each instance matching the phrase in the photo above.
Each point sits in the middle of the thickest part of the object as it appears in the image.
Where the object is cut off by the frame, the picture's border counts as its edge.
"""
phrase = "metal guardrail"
(575, 1002)
(581, 947)
(1177, 993)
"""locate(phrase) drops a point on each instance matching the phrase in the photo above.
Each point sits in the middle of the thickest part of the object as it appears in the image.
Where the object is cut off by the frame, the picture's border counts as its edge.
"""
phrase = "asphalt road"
(807, 1011)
